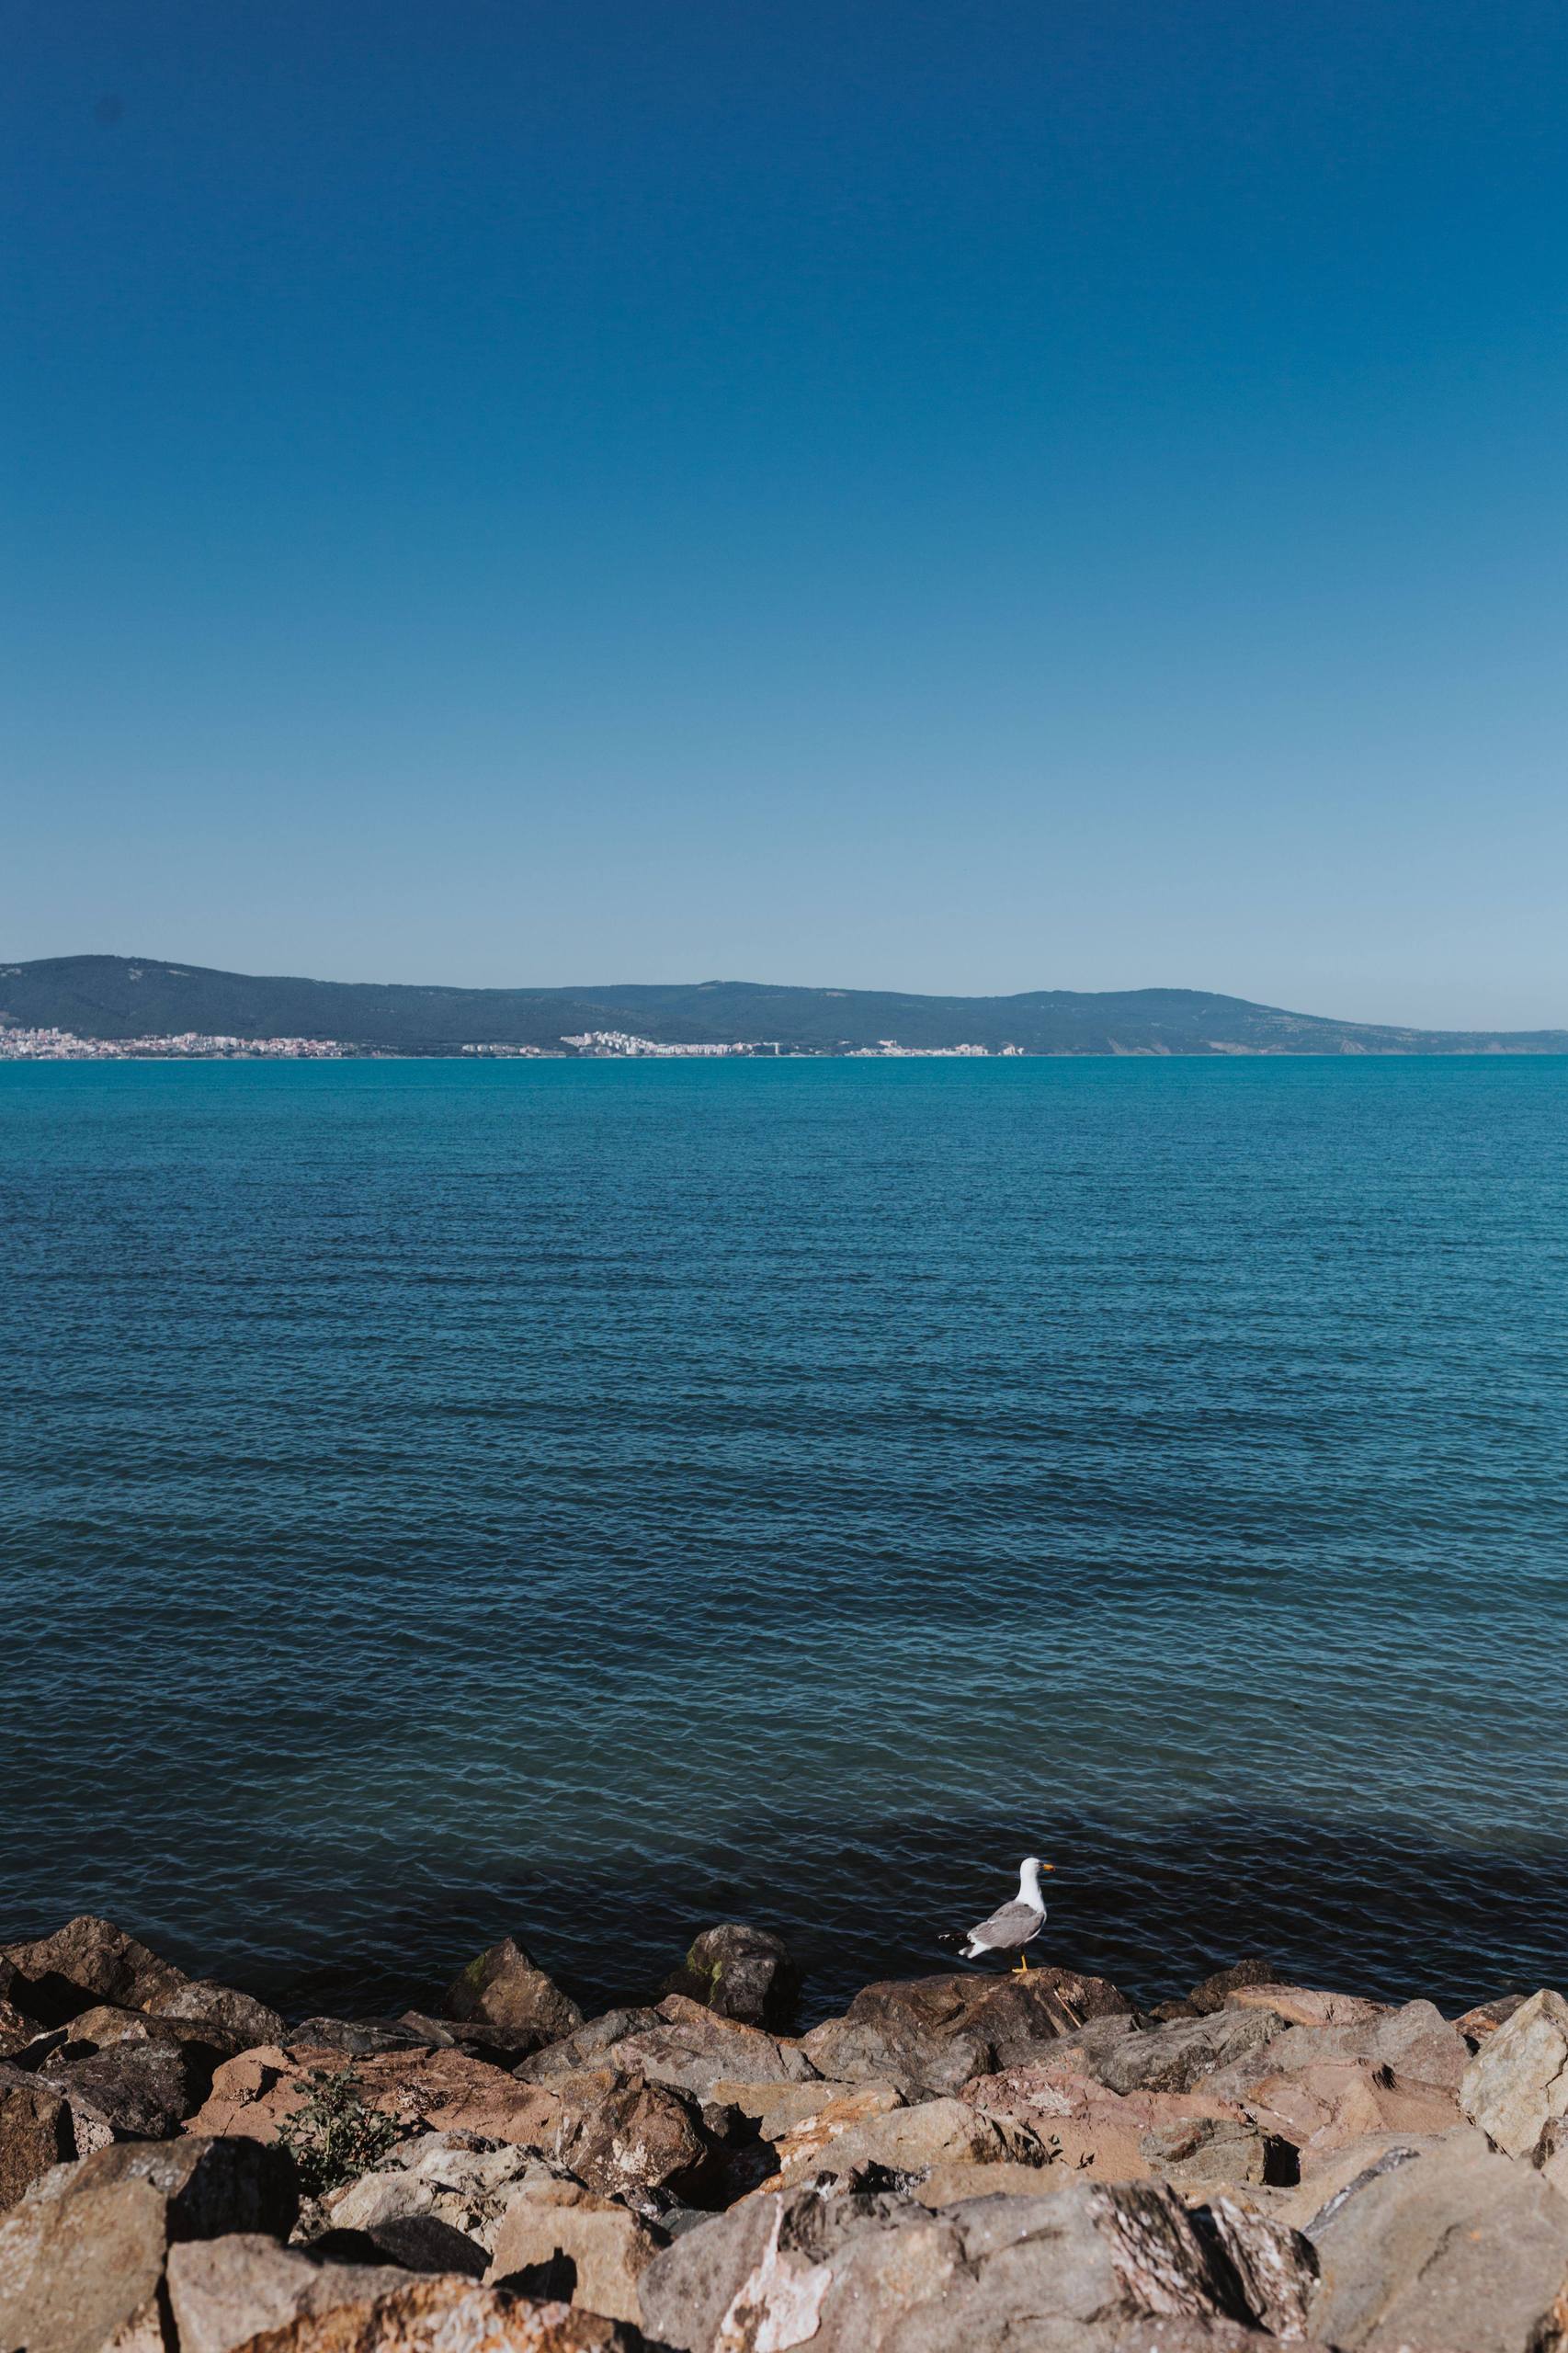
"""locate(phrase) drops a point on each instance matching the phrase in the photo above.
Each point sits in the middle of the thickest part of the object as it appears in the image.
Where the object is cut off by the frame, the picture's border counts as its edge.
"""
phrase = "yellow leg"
(1023, 1968)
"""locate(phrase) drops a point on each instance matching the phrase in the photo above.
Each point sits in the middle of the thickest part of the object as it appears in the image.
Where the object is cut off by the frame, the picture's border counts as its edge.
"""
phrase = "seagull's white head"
(1030, 1870)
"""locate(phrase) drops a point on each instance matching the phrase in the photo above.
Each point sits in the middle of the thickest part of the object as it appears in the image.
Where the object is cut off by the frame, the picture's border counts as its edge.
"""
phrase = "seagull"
(1011, 1929)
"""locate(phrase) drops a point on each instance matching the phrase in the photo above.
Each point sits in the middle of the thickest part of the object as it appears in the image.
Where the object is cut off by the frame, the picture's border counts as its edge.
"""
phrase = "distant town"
(23, 1045)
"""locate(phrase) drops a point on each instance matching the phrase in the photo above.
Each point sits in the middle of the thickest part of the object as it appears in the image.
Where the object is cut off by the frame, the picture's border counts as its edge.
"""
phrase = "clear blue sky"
(959, 497)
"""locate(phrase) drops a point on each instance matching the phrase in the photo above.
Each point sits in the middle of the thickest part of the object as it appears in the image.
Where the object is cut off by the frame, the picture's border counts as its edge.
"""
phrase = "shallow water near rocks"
(592, 1500)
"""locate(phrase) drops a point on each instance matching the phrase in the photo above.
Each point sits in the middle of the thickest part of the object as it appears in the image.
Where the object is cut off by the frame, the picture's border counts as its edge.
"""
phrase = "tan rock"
(1098, 2132)
(440, 2315)
(691, 2049)
(1485, 2018)
(818, 2121)
(608, 2246)
(442, 2091)
(1304, 2006)
(1518, 2081)
(952, 2184)
(224, 2291)
(912, 2139)
(1326, 2107)
(457, 2179)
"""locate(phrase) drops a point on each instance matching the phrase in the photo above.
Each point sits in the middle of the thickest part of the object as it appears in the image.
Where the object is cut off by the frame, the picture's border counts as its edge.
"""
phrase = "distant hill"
(120, 996)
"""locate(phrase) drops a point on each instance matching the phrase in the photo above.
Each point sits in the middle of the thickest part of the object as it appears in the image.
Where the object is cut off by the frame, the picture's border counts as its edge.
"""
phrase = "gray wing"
(1015, 1923)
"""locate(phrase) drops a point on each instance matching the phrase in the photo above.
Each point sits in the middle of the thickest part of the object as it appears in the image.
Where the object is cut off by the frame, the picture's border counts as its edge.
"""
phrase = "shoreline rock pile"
(958, 2163)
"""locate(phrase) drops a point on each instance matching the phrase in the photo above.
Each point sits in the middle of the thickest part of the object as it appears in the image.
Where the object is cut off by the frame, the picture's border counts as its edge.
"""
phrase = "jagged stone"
(607, 2246)
(35, 2133)
(1064, 2273)
(588, 2047)
(739, 1972)
(625, 2136)
(910, 2141)
(446, 2316)
(132, 2089)
(688, 2048)
(505, 1986)
(233, 2021)
(1518, 2081)
(1175, 2057)
(224, 2291)
(90, 1960)
(1212, 1993)
(82, 2256)
(1446, 2244)
(418, 2090)
(929, 2035)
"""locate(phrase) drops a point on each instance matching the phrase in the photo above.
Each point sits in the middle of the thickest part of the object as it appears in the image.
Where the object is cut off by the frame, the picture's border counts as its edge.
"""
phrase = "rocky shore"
(958, 2163)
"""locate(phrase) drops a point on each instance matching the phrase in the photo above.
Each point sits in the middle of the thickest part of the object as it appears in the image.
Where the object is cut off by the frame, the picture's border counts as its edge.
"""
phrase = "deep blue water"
(591, 1500)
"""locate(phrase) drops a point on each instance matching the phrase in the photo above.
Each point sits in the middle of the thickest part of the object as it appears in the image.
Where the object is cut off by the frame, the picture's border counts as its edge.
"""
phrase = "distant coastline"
(116, 1008)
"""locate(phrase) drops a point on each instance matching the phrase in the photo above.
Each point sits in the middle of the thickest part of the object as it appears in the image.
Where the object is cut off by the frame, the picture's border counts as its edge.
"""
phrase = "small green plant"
(332, 2135)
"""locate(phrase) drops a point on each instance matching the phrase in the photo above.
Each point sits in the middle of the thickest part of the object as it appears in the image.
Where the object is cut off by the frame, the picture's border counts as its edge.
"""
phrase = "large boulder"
(1067, 2273)
(1517, 2082)
(684, 2045)
(446, 2316)
(416, 2090)
(588, 2046)
(224, 2291)
(1442, 2245)
(1214, 1991)
(35, 2132)
(86, 1961)
(133, 2089)
(929, 2035)
(1175, 2057)
(560, 2230)
(457, 2179)
(739, 1972)
(505, 1986)
(82, 2256)
(1324, 2087)
(625, 2137)
(232, 2021)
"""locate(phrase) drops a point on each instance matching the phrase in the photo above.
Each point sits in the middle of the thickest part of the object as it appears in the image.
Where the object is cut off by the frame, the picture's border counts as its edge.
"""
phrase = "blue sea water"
(591, 1500)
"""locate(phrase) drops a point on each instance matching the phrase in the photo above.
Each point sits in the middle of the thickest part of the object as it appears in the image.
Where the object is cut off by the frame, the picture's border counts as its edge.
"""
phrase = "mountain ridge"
(116, 997)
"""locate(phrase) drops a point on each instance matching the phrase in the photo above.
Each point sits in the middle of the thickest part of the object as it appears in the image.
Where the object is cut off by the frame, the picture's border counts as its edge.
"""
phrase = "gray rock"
(457, 2179)
(224, 2291)
(1445, 2245)
(505, 1986)
(1174, 2058)
(1067, 2273)
(1517, 2082)
(910, 2141)
(35, 2133)
(688, 2048)
(358, 2038)
(587, 2047)
(1202, 2151)
(82, 2256)
(235, 2021)
(624, 2136)
(739, 1972)
(931, 2034)
(131, 2090)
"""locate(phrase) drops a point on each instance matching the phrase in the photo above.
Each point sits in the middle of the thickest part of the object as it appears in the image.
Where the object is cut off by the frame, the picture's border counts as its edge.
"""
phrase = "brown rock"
(587, 2047)
(92, 1960)
(421, 2090)
(692, 2049)
(225, 2292)
(35, 2133)
(234, 2021)
(446, 2316)
(1112, 2136)
(1306, 2005)
(801, 2119)
(17, 2029)
(505, 1986)
(607, 2246)
(82, 2256)
(623, 2135)
(931, 2034)
(1485, 2018)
